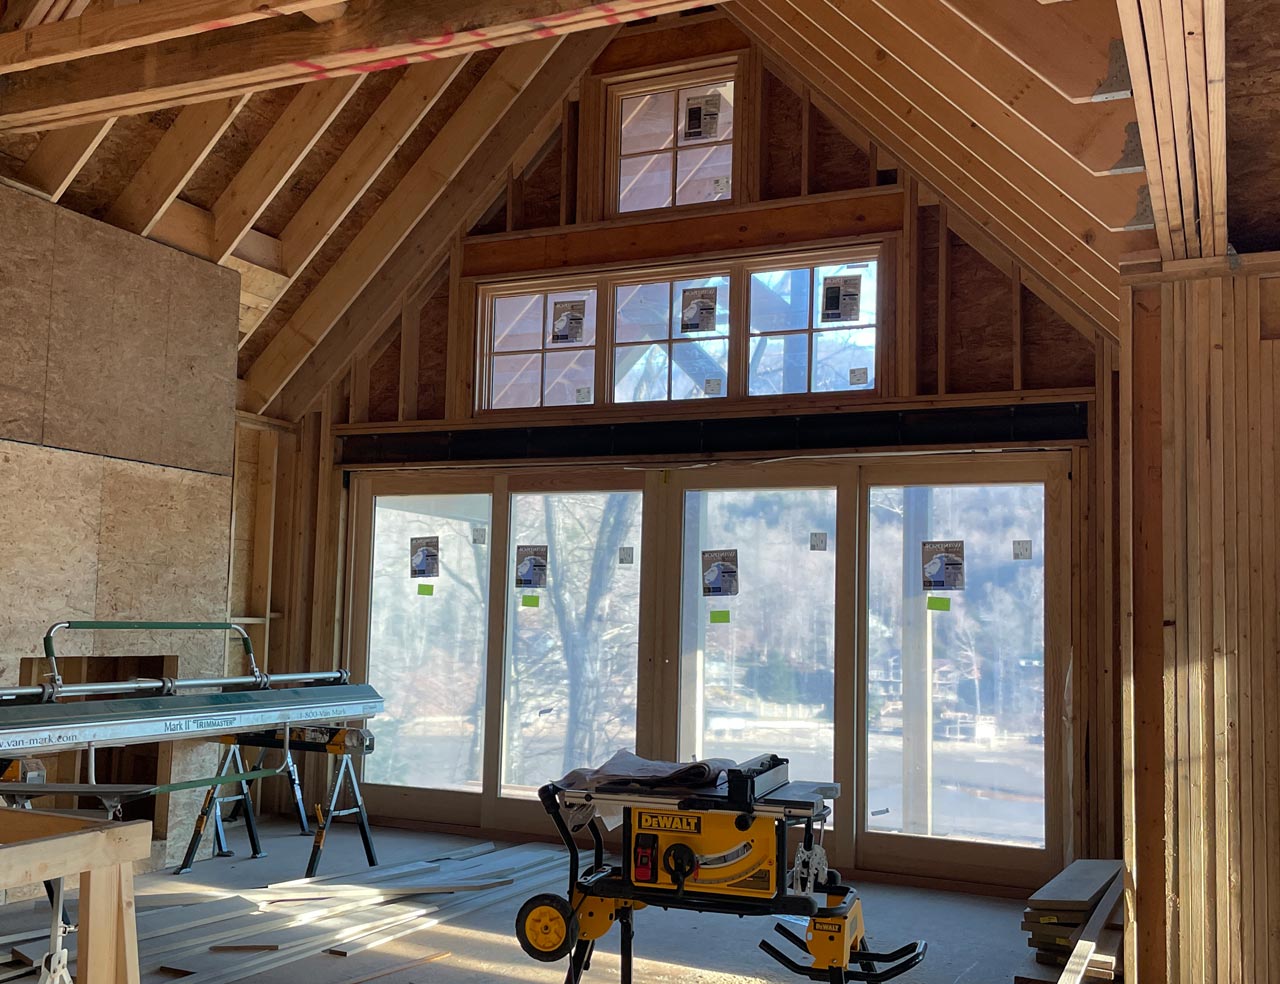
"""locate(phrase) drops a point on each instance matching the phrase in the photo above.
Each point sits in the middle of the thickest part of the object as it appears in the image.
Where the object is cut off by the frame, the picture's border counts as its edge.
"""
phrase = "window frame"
(738, 268)
(618, 88)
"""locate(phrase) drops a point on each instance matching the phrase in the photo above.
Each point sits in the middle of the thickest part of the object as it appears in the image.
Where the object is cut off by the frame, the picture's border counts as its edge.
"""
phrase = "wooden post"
(1145, 683)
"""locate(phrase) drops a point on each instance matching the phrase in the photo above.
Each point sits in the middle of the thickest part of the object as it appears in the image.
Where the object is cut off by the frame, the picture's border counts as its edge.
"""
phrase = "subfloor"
(971, 938)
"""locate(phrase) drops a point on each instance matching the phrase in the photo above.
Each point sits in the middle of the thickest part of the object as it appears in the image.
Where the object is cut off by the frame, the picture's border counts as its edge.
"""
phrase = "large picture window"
(674, 140)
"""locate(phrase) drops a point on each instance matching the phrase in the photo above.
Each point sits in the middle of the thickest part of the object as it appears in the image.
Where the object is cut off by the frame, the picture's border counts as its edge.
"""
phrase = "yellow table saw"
(721, 848)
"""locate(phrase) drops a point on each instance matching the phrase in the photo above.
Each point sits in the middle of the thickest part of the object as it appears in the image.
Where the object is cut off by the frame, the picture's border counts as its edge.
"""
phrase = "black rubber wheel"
(547, 927)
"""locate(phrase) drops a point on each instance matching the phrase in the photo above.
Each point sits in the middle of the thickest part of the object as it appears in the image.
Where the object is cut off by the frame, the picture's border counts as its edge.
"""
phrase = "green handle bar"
(51, 656)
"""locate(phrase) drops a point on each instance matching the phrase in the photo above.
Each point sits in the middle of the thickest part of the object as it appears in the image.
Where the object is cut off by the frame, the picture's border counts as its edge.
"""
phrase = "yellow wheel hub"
(546, 928)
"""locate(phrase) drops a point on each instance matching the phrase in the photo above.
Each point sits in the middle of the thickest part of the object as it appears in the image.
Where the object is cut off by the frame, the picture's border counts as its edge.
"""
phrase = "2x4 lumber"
(395, 218)
(109, 29)
(939, 88)
(745, 228)
(374, 35)
(29, 861)
(1089, 934)
(169, 167)
(274, 159)
(428, 244)
(59, 157)
(939, 158)
(190, 228)
(22, 14)
(1075, 47)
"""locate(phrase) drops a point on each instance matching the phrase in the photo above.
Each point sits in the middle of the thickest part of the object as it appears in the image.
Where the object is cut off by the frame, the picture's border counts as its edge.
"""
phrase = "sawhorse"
(346, 775)
(213, 800)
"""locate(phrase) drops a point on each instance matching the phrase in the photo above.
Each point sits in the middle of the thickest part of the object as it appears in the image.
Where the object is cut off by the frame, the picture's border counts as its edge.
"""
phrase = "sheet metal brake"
(34, 719)
(706, 837)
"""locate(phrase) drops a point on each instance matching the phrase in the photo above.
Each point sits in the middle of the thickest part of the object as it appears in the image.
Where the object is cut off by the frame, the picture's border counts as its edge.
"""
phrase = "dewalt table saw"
(717, 848)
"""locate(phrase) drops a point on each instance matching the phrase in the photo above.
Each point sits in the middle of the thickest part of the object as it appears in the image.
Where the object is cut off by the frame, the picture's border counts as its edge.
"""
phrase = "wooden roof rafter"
(422, 185)
(369, 311)
(372, 35)
(1177, 50)
(1067, 258)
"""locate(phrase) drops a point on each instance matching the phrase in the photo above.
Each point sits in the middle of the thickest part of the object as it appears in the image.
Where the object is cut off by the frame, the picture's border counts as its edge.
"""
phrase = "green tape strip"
(938, 604)
(719, 617)
(530, 601)
(217, 780)
(426, 589)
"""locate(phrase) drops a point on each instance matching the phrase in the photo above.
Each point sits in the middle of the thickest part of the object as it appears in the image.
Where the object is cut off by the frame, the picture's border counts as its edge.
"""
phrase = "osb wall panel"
(927, 301)
(540, 188)
(1054, 354)
(1253, 85)
(781, 132)
(836, 163)
(979, 324)
(120, 346)
(384, 384)
(88, 537)
(433, 355)
(244, 512)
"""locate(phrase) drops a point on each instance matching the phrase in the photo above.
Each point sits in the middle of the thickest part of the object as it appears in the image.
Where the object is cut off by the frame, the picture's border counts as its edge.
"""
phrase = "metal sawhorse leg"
(213, 801)
(290, 769)
(346, 773)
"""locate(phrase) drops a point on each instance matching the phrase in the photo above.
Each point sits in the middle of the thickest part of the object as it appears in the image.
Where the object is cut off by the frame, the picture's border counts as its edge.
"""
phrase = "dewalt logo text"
(680, 822)
(827, 927)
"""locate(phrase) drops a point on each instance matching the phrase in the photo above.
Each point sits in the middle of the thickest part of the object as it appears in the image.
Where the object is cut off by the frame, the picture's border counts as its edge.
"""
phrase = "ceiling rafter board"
(1135, 46)
(190, 228)
(394, 219)
(1101, 135)
(359, 165)
(889, 79)
(1144, 43)
(953, 175)
(60, 156)
(1169, 16)
(1193, 24)
(166, 171)
(274, 160)
(374, 35)
(1075, 47)
(1215, 43)
(931, 82)
(127, 26)
(428, 245)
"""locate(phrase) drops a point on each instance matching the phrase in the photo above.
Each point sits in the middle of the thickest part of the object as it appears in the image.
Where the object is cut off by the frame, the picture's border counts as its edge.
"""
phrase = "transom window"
(813, 329)
(777, 325)
(543, 348)
(673, 140)
(671, 340)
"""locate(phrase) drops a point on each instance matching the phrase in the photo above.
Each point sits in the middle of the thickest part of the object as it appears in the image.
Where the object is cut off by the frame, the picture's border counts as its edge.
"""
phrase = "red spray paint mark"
(379, 66)
(317, 71)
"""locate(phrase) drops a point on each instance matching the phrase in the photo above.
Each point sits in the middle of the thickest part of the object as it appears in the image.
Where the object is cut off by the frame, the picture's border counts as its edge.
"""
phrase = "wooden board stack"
(325, 929)
(1076, 921)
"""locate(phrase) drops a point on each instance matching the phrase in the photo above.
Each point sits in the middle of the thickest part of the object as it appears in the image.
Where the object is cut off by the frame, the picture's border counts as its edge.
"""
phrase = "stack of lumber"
(1076, 921)
(335, 923)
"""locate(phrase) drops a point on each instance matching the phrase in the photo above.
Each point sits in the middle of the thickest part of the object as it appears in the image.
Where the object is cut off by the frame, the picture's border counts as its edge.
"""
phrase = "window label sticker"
(426, 589)
(583, 394)
(531, 566)
(713, 385)
(858, 377)
(530, 601)
(626, 555)
(697, 310)
(938, 604)
(424, 556)
(943, 564)
(702, 117)
(841, 298)
(479, 534)
(720, 185)
(566, 321)
(1021, 549)
(818, 541)
(719, 573)
(719, 616)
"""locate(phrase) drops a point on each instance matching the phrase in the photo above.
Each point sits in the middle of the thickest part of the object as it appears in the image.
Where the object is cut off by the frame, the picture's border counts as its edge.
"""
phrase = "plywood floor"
(971, 939)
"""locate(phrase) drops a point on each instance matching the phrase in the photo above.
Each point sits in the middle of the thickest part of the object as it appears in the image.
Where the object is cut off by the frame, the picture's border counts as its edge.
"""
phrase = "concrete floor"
(971, 939)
